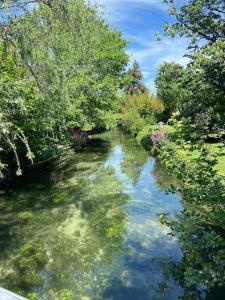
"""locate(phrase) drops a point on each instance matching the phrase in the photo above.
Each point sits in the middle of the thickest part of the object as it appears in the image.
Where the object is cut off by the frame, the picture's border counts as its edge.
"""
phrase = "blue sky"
(139, 20)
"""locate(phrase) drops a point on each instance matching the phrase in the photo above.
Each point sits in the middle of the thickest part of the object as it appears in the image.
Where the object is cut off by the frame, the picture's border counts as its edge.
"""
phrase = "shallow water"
(90, 230)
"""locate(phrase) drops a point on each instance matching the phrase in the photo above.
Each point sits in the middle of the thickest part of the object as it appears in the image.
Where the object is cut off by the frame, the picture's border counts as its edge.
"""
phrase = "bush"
(148, 106)
(132, 122)
(200, 227)
(144, 138)
(139, 110)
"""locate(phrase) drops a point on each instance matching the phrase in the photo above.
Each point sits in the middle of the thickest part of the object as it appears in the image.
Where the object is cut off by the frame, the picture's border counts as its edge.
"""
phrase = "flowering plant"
(157, 136)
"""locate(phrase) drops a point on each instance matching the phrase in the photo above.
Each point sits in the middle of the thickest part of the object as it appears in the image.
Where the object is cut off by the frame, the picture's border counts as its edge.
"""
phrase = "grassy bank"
(144, 138)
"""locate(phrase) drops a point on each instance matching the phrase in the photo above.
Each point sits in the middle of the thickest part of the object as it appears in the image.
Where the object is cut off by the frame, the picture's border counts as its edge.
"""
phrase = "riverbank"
(200, 227)
(78, 140)
(93, 234)
(145, 135)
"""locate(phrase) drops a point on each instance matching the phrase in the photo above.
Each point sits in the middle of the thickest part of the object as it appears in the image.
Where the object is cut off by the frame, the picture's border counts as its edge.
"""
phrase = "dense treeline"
(197, 91)
(61, 68)
(140, 108)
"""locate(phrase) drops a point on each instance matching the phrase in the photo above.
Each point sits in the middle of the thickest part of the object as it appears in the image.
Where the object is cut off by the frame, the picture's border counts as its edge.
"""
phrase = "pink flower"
(157, 136)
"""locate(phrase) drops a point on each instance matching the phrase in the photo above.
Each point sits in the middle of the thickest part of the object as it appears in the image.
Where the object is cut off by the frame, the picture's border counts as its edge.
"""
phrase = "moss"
(31, 258)
(66, 295)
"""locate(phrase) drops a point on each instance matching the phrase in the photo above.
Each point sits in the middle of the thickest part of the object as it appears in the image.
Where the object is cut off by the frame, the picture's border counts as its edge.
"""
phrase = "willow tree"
(74, 63)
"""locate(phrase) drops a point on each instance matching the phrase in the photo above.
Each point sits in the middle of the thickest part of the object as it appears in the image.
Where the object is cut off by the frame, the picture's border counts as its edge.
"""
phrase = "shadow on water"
(90, 229)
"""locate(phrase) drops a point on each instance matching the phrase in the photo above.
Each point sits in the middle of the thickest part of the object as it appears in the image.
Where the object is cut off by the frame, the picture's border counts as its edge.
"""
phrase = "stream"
(90, 230)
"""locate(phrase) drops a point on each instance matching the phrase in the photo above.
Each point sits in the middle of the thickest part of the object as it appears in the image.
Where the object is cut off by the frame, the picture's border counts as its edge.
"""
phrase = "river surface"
(90, 230)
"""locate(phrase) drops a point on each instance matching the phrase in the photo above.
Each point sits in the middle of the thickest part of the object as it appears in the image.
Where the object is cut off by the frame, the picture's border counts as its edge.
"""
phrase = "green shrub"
(132, 122)
(146, 105)
(139, 110)
(200, 226)
(144, 137)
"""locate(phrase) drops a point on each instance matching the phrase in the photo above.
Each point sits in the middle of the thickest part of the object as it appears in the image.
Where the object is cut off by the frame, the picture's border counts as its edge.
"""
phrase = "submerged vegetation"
(86, 231)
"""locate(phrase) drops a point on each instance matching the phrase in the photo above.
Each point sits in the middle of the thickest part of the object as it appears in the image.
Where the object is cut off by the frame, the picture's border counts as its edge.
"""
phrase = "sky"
(139, 21)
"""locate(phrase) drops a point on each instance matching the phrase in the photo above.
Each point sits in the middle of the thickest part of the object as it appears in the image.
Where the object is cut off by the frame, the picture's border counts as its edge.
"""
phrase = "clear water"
(90, 230)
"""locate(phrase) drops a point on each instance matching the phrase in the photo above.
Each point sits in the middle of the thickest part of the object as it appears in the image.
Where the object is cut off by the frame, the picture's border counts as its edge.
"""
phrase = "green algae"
(71, 233)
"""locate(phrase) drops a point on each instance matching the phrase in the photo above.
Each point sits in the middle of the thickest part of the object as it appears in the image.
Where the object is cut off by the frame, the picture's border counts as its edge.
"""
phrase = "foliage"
(201, 86)
(65, 67)
(197, 20)
(200, 227)
(145, 104)
(169, 85)
(157, 136)
(139, 110)
(15, 90)
(132, 122)
(135, 85)
(183, 128)
(143, 138)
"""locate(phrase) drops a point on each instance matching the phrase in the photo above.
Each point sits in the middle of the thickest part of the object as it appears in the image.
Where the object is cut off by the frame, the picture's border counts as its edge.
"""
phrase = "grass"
(221, 160)
(216, 147)
(220, 167)
(166, 128)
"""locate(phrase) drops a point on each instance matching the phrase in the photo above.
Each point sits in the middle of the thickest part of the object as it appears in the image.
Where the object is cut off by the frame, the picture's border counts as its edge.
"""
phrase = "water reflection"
(164, 180)
(143, 272)
(90, 230)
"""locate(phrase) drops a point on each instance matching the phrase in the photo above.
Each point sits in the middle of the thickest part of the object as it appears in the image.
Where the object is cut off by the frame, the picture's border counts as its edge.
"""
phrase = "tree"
(73, 66)
(135, 85)
(169, 86)
(15, 90)
(203, 23)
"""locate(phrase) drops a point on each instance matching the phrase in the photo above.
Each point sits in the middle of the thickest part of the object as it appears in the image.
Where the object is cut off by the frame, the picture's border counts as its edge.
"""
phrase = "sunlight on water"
(90, 230)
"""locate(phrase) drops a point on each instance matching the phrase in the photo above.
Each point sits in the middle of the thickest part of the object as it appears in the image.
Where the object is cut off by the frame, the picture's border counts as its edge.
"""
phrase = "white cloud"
(131, 17)
(119, 10)
(150, 54)
(166, 50)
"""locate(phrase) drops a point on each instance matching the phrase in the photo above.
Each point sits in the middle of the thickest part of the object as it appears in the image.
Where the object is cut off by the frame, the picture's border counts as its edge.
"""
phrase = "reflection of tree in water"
(202, 270)
(63, 230)
(144, 278)
(164, 179)
(134, 155)
(200, 229)
(135, 158)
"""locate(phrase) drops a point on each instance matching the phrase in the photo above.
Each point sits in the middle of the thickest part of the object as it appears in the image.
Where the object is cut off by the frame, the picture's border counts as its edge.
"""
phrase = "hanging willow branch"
(9, 133)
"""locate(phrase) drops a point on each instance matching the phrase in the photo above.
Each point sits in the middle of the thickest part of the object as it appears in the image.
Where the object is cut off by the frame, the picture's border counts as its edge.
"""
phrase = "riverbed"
(90, 230)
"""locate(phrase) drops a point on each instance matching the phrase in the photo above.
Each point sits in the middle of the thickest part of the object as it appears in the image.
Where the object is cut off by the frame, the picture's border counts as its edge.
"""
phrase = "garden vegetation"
(61, 69)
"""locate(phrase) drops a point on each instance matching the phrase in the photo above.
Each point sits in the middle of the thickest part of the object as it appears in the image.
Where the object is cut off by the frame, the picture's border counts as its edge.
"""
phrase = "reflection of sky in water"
(98, 218)
(143, 274)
